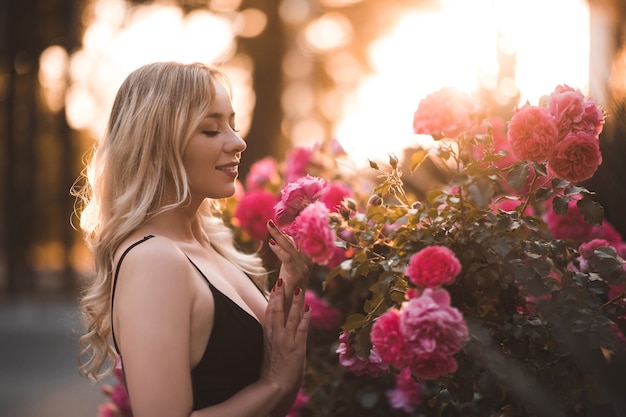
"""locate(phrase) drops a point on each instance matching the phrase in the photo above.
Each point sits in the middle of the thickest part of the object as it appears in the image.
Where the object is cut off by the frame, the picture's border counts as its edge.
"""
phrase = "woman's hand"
(285, 340)
(295, 268)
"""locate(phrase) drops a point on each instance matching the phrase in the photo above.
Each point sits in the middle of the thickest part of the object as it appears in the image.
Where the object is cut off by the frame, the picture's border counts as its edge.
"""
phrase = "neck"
(181, 224)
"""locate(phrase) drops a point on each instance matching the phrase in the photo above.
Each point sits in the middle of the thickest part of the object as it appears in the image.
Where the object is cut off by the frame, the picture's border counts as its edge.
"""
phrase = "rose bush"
(499, 292)
(461, 301)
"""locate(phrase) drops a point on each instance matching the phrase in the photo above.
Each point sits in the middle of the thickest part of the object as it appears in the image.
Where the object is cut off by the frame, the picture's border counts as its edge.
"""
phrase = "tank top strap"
(117, 271)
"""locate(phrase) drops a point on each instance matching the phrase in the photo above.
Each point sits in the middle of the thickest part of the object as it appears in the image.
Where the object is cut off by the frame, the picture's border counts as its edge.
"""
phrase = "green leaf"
(355, 321)
(416, 159)
(480, 193)
(376, 214)
(518, 175)
(559, 183)
(574, 190)
(605, 252)
(540, 169)
(592, 212)
(543, 194)
(559, 205)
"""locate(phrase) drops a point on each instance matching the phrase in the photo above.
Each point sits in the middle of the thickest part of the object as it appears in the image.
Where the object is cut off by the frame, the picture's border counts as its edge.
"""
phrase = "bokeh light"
(368, 108)
(119, 38)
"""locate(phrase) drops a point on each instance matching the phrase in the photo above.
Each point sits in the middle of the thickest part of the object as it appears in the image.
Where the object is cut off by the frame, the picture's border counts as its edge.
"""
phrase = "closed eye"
(211, 133)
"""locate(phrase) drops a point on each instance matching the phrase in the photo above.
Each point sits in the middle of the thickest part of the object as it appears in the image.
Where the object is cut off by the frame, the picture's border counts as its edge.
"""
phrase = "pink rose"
(119, 397)
(430, 324)
(566, 105)
(587, 254)
(593, 119)
(444, 113)
(253, 212)
(297, 163)
(532, 133)
(373, 365)
(510, 205)
(432, 365)
(313, 233)
(433, 266)
(388, 339)
(408, 393)
(334, 194)
(607, 231)
(107, 410)
(576, 158)
(618, 290)
(323, 315)
(301, 401)
(263, 172)
(295, 196)
(339, 255)
(572, 226)
(587, 249)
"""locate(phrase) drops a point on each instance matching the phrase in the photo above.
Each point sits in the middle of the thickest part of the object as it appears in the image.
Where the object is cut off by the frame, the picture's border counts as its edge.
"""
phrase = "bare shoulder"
(151, 261)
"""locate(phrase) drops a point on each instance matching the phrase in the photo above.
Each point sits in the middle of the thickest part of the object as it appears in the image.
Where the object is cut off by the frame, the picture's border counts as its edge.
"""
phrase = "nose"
(236, 143)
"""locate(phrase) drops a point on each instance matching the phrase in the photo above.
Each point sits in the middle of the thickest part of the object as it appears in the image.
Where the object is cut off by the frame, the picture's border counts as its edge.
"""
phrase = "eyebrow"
(218, 115)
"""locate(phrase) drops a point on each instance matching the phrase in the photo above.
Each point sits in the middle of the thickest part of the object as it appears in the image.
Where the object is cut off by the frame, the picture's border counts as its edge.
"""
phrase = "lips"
(231, 168)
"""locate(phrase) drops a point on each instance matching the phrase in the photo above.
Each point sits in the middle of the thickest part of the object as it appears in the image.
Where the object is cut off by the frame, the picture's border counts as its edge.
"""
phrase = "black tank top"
(233, 355)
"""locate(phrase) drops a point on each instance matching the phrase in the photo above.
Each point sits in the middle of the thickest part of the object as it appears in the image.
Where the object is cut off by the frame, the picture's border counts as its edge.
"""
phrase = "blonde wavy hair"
(134, 168)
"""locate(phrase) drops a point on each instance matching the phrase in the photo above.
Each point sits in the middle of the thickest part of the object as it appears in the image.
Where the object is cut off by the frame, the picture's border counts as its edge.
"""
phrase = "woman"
(195, 334)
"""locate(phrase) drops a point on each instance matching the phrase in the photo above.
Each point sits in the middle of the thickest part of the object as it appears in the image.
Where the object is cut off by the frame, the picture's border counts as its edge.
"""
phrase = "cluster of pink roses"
(564, 133)
(423, 335)
(426, 332)
(303, 210)
(299, 203)
(573, 226)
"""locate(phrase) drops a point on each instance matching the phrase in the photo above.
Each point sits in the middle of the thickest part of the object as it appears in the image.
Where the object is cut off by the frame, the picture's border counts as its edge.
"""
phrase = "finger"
(279, 235)
(295, 311)
(291, 257)
(303, 326)
(274, 313)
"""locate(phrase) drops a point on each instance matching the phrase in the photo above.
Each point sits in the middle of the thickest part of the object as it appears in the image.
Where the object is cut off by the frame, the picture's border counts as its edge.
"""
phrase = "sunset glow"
(455, 45)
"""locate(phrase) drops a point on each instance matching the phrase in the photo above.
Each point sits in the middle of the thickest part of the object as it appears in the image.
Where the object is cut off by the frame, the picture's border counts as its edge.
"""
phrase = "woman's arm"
(152, 317)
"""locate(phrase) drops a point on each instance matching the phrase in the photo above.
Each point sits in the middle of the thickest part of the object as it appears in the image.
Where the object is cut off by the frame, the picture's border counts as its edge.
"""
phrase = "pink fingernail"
(272, 242)
(307, 307)
(279, 282)
(296, 291)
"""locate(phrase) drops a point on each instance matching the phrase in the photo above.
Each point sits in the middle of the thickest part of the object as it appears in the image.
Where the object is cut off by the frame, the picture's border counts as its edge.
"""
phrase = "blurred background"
(303, 71)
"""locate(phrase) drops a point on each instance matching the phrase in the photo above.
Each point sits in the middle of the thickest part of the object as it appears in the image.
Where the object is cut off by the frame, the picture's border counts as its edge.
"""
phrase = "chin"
(226, 192)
